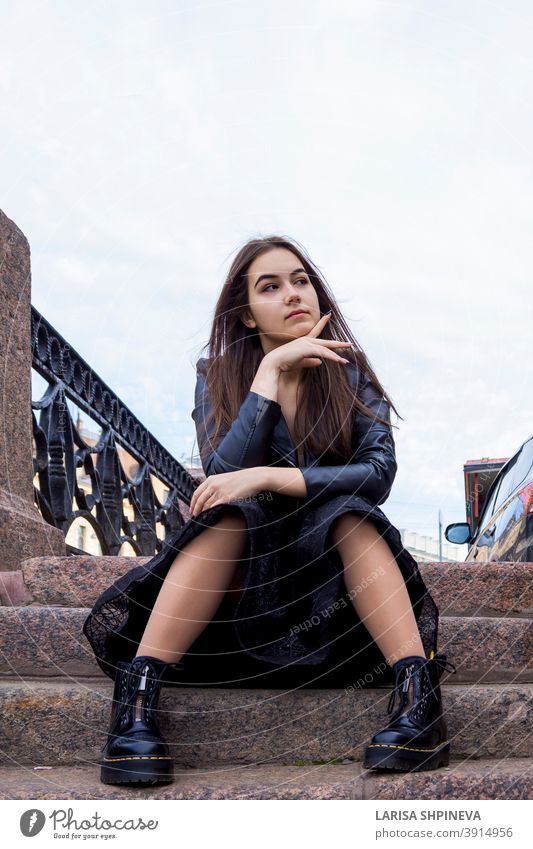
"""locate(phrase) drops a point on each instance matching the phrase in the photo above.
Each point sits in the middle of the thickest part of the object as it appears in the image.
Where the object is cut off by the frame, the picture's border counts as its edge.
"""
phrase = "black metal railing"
(60, 450)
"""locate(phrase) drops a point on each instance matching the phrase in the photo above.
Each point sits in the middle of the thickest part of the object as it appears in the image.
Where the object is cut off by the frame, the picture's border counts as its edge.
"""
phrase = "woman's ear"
(247, 319)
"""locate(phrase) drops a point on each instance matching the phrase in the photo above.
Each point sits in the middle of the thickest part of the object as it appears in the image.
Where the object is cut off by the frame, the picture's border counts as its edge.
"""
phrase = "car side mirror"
(458, 532)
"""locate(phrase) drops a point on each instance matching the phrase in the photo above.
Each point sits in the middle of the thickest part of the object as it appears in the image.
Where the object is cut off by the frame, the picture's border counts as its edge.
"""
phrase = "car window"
(523, 471)
(518, 473)
(488, 510)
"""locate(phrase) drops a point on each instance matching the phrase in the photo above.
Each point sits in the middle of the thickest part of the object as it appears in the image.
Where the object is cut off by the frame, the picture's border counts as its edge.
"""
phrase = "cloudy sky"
(141, 146)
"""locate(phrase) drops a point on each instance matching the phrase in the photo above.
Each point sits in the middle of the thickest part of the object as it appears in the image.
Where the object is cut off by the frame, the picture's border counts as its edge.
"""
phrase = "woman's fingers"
(326, 352)
(330, 343)
(330, 355)
(310, 361)
(325, 343)
(319, 326)
(199, 499)
(208, 502)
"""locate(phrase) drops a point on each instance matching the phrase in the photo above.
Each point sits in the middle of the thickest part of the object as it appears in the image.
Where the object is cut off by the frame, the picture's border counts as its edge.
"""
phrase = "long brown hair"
(234, 353)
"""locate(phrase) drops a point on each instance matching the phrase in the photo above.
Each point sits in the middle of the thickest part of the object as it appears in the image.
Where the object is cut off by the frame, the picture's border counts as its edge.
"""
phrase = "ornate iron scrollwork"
(60, 450)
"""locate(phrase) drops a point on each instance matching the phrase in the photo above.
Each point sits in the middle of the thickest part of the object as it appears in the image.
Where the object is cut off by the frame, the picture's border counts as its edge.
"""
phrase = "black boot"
(416, 736)
(135, 752)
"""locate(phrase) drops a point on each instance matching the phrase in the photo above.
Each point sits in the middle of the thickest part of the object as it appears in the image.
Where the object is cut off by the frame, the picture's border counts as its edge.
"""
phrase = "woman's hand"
(227, 486)
(306, 350)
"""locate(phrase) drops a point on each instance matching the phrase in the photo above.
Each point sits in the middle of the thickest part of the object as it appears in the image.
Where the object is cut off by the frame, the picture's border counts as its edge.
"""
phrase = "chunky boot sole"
(405, 758)
(156, 770)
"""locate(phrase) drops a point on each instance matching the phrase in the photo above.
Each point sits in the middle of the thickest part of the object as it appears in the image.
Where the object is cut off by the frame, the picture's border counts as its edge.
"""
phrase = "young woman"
(296, 443)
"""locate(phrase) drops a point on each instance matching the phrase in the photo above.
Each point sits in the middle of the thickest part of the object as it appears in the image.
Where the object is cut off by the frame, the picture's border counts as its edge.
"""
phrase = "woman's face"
(278, 285)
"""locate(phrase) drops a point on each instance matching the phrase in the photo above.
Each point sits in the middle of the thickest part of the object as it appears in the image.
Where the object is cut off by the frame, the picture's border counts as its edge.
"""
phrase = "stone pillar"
(23, 531)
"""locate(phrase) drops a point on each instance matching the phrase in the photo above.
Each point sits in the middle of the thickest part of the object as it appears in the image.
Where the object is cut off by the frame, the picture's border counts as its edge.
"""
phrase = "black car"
(505, 527)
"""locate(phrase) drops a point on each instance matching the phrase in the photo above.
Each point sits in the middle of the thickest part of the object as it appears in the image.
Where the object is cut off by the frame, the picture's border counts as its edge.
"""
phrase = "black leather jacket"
(259, 436)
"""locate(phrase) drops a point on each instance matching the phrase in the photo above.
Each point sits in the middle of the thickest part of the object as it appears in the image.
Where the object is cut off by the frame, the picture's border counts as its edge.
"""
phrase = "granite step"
(37, 641)
(480, 589)
(463, 779)
(459, 589)
(48, 722)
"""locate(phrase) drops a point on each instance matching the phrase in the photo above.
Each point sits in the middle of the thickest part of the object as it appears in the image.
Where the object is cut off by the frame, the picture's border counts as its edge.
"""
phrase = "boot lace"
(404, 679)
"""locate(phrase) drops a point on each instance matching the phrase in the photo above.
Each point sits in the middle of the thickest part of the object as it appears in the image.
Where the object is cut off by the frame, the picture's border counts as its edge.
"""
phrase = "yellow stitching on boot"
(409, 748)
(140, 758)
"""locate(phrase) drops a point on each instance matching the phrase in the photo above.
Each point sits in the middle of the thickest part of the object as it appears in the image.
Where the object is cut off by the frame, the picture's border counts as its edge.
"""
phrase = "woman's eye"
(300, 280)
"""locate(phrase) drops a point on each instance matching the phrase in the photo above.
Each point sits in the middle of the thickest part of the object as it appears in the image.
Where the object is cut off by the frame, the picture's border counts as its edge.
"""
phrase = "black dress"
(289, 619)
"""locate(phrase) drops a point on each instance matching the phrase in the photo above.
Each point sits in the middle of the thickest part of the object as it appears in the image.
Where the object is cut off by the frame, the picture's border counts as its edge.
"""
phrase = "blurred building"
(424, 547)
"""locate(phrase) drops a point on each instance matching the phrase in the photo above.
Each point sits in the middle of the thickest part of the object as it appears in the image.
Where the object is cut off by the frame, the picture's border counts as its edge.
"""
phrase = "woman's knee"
(232, 520)
(231, 532)
(223, 540)
(350, 527)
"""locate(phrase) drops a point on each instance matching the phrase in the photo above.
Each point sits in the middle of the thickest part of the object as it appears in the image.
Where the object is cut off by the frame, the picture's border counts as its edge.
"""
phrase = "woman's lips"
(297, 314)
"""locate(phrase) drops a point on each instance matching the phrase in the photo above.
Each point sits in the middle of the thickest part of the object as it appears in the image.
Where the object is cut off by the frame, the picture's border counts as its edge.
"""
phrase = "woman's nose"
(292, 295)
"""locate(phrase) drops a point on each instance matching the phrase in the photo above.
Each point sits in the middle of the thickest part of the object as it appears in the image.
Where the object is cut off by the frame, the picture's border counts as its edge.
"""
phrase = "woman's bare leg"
(193, 589)
(377, 588)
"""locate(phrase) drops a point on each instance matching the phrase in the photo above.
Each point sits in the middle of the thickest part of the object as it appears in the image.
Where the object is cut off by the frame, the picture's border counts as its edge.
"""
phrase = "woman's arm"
(374, 466)
(266, 380)
(248, 439)
(287, 480)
